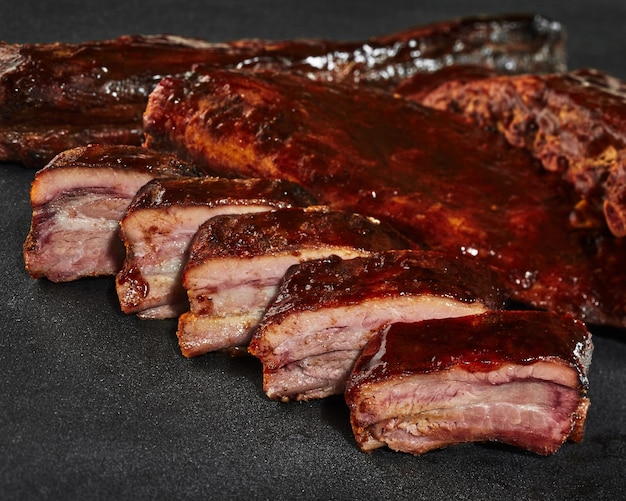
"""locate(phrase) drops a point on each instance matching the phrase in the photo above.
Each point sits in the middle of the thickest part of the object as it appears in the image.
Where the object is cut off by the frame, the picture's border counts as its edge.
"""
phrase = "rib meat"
(236, 262)
(454, 186)
(327, 309)
(159, 224)
(78, 200)
(57, 96)
(516, 377)
(574, 123)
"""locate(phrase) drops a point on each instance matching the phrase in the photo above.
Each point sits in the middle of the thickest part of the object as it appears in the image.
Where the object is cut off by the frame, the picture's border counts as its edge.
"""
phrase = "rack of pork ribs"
(332, 209)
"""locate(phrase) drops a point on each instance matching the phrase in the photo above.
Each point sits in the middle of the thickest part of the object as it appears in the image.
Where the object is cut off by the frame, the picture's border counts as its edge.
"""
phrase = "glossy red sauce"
(95, 92)
(476, 343)
(164, 193)
(451, 186)
(333, 282)
(124, 157)
(291, 230)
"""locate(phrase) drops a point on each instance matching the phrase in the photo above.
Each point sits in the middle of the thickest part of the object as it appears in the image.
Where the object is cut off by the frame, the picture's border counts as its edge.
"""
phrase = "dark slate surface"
(97, 405)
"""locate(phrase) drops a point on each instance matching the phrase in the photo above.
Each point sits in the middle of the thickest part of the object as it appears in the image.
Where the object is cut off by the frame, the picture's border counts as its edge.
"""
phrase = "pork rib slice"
(96, 92)
(516, 377)
(327, 309)
(159, 224)
(237, 261)
(572, 122)
(454, 186)
(78, 200)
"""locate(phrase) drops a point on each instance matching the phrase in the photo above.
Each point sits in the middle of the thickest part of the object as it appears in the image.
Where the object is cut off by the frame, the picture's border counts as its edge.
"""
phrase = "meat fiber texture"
(515, 377)
(327, 309)
(78, 200)
(159, 224)
(573, 123)
(452, 186)
(96, 92)
(237, 261)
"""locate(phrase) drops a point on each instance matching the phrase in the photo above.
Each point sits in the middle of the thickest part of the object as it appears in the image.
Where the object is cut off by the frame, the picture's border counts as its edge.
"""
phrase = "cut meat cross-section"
(78, 200)
(237, 261)
(516, 377)
(158, 226)
(327, 309)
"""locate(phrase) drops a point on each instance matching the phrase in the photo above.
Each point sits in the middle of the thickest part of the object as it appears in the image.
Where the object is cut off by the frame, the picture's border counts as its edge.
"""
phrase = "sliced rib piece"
(573, 122)
(236, 262)
(517, 377)
(57, 96)
(159, 224)
(78, 200)
(445, 182)
(327, 309)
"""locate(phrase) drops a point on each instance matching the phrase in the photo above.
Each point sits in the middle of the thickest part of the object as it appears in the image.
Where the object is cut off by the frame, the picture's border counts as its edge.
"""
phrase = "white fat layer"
(78, 237)
(165, 222)
(215, 274)
(524, 385)
(50, 184)
(530, 413)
